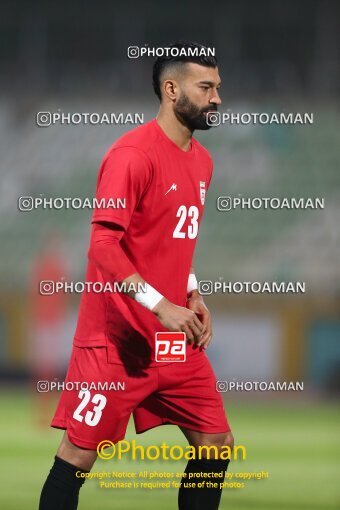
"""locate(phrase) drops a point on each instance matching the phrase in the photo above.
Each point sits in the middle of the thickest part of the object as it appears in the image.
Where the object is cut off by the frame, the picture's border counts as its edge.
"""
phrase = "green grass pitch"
(297, 443)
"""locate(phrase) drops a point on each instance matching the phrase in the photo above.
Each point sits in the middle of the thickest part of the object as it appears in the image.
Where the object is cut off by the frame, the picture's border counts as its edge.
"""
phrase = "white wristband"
(149, 298)
(192, 283)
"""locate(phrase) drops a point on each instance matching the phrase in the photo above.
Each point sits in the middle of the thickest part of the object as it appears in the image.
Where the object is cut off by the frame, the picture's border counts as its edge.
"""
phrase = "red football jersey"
(164, 189)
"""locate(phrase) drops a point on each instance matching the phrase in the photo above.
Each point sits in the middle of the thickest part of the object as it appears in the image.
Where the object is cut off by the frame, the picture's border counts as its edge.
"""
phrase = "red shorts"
(182, 394)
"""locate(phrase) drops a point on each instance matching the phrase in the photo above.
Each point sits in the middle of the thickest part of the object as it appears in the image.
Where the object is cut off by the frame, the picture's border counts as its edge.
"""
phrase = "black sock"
(61, 489)
(208, 497)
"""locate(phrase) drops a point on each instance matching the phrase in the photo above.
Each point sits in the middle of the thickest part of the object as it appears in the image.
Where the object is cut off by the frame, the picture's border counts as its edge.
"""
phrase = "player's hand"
(178, 318)
(196, 304)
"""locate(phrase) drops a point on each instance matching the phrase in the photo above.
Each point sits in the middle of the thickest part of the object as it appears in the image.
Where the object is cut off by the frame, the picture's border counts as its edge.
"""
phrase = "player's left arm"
(195, 301)
(196, 304)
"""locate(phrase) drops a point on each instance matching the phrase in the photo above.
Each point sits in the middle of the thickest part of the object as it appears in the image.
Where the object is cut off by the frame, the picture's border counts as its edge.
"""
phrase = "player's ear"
(170, 89)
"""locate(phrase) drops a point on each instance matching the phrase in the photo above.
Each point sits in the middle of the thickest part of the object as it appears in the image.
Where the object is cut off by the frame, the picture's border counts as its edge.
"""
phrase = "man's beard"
(191, 115)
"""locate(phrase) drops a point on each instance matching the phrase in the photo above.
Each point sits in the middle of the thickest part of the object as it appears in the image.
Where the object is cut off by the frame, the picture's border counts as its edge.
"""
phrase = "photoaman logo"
(170, 346)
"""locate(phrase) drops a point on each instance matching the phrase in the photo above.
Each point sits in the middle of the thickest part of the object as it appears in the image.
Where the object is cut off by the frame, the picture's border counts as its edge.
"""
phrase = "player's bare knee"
(229, 440)
(212, 444)
(222, 440)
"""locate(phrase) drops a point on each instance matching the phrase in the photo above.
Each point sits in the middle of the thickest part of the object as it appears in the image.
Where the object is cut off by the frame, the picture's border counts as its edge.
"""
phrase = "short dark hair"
(187, 52)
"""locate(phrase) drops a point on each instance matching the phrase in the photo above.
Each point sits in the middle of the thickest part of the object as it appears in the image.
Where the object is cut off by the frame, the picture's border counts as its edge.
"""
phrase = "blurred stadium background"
(274, 56)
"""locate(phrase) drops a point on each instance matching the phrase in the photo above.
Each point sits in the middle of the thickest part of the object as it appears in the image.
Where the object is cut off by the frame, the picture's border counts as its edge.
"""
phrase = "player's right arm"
(108, 255)
(171, 316)
(126, 173)
(178, 318)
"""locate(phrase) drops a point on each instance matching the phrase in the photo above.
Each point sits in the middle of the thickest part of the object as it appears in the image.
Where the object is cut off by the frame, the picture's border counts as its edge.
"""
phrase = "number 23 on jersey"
(184, 213)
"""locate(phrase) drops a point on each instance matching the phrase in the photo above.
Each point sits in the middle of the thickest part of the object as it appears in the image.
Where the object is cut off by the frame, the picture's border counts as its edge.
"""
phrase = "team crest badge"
(202, 192)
